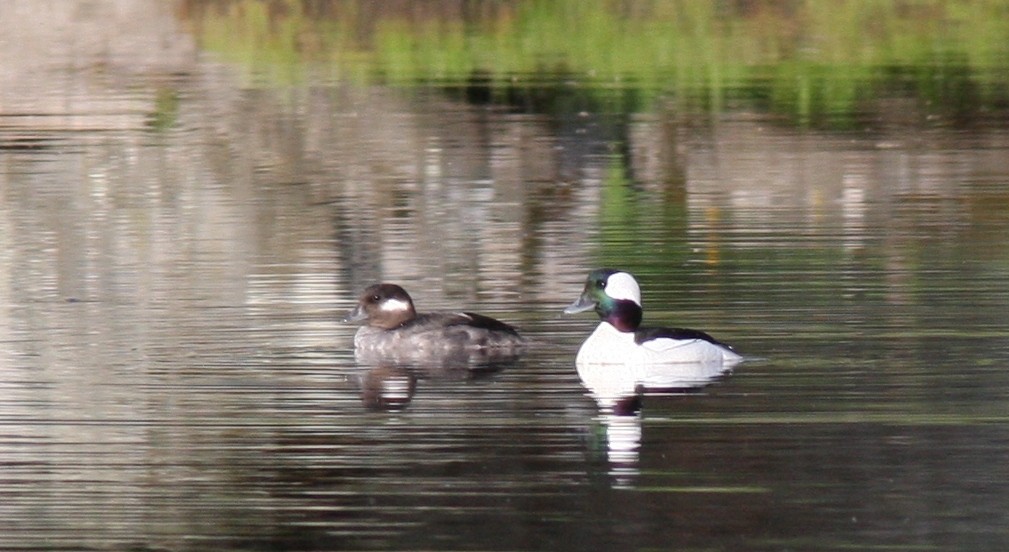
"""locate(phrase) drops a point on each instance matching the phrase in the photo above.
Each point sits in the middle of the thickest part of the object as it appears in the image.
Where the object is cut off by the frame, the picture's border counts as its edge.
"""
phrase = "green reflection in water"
(641, 229)
(815, 62)
(166, 110)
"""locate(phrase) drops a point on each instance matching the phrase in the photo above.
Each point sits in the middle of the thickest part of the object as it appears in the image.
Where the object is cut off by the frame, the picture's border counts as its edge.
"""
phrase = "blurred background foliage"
(819, 63)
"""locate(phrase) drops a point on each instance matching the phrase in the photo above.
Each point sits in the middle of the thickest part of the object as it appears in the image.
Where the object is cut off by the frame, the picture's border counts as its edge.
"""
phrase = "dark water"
(172, 375)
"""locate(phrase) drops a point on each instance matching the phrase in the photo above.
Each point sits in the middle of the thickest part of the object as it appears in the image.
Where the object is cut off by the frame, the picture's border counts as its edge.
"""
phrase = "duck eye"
(601, 284)
(376, 298)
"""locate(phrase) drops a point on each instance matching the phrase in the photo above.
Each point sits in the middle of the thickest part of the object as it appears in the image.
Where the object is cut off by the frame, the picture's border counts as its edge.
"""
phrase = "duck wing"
(644, 335)
(488, 323)
(468, 319)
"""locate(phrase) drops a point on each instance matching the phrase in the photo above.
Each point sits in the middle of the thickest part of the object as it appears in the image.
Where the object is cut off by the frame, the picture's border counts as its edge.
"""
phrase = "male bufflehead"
(620, 339)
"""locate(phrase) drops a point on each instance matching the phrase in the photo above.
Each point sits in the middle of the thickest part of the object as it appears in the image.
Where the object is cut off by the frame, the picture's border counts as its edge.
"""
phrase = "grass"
(815, 62)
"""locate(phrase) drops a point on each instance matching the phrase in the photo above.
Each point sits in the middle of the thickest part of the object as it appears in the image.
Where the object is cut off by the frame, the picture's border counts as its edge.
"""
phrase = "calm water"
(172, 375)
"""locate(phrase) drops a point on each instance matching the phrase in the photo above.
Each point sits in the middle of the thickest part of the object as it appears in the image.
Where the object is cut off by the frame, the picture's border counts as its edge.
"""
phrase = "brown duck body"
(394, 331)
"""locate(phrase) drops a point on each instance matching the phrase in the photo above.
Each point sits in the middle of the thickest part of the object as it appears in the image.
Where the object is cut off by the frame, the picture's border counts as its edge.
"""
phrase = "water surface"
(177, 245)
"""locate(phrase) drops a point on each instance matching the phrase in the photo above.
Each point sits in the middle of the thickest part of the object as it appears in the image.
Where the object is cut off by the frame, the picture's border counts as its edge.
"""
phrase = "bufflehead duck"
(620, 339)
(395, 332)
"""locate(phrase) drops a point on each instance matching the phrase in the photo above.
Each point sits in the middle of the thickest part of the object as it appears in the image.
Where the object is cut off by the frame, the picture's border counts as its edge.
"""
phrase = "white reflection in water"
(617, 390)
(387, 387)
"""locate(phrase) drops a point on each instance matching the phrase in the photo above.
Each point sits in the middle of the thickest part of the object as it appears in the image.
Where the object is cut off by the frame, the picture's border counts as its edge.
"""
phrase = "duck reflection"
(389, 384)
(389, 388)
(618, 390)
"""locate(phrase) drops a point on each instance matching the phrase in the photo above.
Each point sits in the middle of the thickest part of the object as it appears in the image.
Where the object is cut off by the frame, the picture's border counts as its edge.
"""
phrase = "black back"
(488, 323)
(647, 334)
(469, 319)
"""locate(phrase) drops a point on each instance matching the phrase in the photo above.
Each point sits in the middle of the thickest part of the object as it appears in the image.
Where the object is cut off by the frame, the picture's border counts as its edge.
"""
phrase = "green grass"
(816, 62)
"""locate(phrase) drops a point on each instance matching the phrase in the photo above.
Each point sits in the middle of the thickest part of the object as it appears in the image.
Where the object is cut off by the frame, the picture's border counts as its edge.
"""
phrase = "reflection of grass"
(629, 239)
(811, 60)
(166, 110)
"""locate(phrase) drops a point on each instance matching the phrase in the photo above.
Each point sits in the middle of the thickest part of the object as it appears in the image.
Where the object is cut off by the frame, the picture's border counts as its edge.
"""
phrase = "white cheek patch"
(394, 305)
(621, 285)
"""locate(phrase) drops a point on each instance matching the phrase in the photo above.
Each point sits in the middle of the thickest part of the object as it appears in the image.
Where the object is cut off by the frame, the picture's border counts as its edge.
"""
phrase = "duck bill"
(581, 305)
(355, 315)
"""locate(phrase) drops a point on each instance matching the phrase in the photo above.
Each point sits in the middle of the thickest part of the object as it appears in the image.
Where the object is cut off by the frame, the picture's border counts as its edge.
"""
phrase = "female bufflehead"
(619, 339)
(394, 331)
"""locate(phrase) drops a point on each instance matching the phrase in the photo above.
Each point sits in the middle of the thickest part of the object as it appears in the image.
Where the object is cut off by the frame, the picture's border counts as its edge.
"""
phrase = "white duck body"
(608, 345)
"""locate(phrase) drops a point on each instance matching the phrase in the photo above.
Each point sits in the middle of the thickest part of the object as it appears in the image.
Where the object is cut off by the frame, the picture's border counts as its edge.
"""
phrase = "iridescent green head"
(614, 295)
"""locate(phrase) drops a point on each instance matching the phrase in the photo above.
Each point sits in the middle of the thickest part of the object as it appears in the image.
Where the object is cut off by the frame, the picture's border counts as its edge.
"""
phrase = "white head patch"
(394, 305)
(621, 285)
